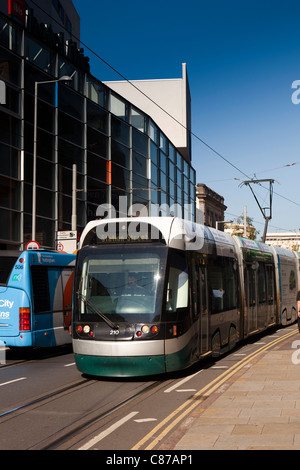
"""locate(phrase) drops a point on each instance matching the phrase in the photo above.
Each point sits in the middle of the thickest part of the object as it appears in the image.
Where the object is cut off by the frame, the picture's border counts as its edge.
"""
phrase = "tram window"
(222, 278)
(262, 291)
(203, 291)
(123, 283)
(270, 284)
(177, 285)
(195, 287)
(198, 282)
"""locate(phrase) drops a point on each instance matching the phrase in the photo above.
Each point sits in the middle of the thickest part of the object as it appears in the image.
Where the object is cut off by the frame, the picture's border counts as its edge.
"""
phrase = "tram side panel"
(287, 281)
(297, 256)
(223, 292)
(257, 273)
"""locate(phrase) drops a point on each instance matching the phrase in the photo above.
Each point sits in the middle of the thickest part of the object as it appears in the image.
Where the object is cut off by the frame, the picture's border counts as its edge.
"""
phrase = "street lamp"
(64, 78)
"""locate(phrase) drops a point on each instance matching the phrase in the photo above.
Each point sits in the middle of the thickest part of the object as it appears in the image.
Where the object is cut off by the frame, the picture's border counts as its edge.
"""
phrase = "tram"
(155, 295)
(36, 289)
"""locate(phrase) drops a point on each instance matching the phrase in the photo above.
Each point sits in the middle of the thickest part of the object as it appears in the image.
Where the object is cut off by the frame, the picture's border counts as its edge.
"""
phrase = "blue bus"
(35, 298)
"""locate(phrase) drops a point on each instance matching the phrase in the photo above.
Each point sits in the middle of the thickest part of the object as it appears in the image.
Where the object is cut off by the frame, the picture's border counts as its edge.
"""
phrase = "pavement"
(258, 408)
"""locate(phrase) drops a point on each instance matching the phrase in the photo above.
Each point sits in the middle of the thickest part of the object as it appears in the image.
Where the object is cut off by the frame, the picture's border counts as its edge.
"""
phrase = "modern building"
(120, 147)
(167, 101)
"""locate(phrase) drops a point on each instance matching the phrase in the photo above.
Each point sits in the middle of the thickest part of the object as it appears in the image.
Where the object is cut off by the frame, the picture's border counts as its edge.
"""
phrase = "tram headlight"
(147, 330)
(86, 329)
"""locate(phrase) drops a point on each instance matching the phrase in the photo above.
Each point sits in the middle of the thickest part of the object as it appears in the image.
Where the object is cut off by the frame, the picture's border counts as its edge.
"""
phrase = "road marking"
(187, 390)
(108, 431)
(145, 420)
(68, 365)
(178, 384)
(12, 381)
(193, 402)
(220, 367)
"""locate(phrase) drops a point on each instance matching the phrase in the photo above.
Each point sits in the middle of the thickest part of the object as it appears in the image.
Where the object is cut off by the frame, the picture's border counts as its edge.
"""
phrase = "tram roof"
(176, 232)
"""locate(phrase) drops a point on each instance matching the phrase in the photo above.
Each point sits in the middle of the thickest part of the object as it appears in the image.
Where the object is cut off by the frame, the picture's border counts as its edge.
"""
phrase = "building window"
(10, 130)
(10, 67)
(97, 142)
(70, 102)
(138, 120)
(97, 117)
(70, 129)
(96, 92)
(140, 142)
(10, 36)
(9, 193)
(39, 55)
(119, 154)
(163, 144)
(9, 161)
(153, 132)
(120, 131)
(118, 107)
(139, 164)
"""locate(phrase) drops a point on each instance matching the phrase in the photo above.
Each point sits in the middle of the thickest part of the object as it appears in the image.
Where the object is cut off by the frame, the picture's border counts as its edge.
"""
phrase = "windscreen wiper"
(111, 324)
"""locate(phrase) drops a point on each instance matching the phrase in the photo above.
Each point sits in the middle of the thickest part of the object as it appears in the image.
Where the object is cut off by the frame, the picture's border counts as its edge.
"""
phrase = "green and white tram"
(154, 295)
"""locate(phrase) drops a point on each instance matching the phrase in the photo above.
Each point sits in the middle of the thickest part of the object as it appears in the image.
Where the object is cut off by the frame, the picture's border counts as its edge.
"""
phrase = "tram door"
(200, 305)
(204, 343)
(251, 299)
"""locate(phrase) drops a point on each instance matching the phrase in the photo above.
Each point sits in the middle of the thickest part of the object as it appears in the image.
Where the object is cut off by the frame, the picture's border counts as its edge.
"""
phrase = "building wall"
(210, 206)
(173, 96)
(288, 240)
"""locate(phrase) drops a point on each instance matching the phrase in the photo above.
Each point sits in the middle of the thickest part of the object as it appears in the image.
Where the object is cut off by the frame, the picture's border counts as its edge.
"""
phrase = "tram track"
(81, 430)
(75, 433)
(44, 398)
(84, 423)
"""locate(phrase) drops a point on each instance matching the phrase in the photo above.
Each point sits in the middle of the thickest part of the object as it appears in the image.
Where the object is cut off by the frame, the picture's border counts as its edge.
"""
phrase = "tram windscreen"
(122, 283)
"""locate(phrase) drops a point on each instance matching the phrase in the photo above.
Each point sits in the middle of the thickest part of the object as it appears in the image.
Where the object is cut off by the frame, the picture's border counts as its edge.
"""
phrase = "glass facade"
(118, 150)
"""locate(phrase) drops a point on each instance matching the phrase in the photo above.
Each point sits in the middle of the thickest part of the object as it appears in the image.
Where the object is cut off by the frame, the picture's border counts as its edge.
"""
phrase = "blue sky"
(242, 58)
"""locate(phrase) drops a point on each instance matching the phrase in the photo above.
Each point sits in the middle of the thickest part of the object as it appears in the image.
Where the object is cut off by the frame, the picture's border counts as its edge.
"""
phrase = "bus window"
(40, 289)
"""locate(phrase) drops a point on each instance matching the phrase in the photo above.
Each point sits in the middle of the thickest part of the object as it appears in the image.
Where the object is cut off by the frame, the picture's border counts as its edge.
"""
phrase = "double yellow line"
(187, 407)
